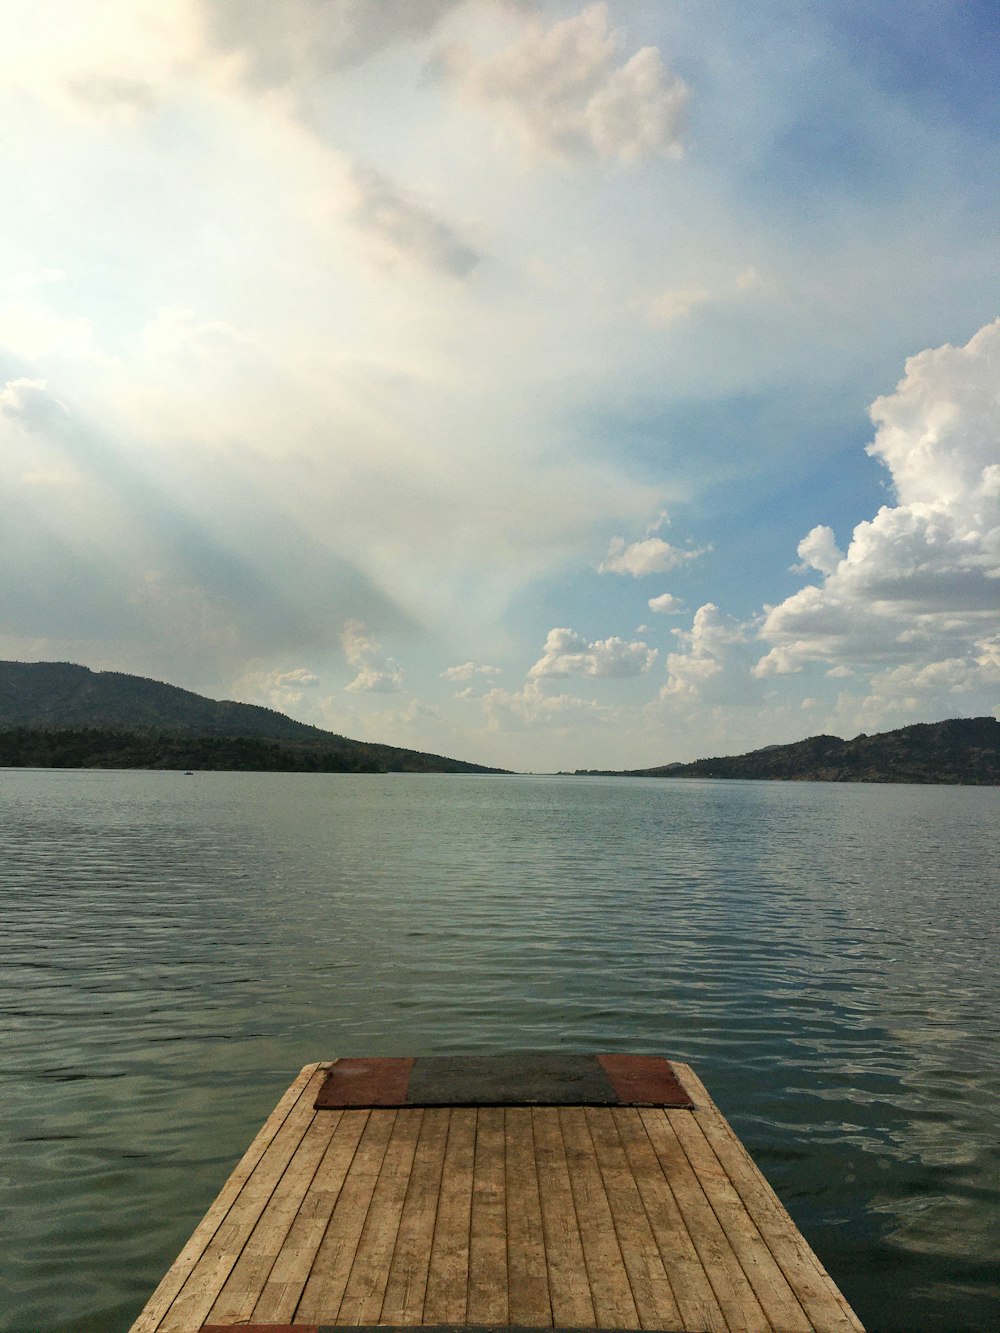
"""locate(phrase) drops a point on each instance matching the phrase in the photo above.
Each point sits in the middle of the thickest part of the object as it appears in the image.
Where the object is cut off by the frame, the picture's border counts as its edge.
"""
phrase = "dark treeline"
(959, 750)
(95, 747)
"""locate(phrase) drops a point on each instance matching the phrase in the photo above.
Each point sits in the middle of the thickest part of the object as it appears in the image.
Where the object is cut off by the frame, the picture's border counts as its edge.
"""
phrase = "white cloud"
(530, 708)
(275, 689)
(922, 578)
(713, 664)
(377, 674)
(468, 670)
(651, 556)
(566, 92)
(567, 653)
(666, 604)
(818, 550)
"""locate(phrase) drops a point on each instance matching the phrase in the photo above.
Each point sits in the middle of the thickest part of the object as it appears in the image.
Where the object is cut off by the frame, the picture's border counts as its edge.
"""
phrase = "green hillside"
(57, 714)
(959, 750)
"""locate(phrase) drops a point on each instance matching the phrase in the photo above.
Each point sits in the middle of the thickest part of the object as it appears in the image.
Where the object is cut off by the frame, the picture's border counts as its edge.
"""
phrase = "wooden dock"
(608, 1213)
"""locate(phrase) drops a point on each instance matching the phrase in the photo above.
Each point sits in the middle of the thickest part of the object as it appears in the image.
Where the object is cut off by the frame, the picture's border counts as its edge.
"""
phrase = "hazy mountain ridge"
(58, 714)
(958, 750)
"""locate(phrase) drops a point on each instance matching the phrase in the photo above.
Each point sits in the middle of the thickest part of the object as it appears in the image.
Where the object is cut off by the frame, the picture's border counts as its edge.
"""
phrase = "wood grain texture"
(406, 1286)
(331, 1270)
(532, 1216)
(448, 1271)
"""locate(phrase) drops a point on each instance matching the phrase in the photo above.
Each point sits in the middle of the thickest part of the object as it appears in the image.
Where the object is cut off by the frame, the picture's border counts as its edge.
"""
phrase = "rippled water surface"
(174, 948)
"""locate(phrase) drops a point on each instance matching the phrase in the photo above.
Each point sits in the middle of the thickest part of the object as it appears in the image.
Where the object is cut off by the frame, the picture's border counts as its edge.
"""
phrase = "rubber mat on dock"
(521, 1079)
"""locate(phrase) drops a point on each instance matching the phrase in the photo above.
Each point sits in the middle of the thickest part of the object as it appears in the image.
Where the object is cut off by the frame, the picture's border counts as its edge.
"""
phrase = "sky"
(549, 385)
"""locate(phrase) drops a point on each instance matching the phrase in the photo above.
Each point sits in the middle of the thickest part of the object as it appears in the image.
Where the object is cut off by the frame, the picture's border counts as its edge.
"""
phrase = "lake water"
(174, 948)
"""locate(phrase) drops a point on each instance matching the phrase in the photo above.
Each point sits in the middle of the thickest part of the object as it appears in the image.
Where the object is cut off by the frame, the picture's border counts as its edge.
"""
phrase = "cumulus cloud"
(567, 93)
(468, 671)
(651, 556)
(666, 604)
(922, 578)
(818, 550)
(530, 708)
(713, 661)
(276, 689)
(377, 674)
(400, 226)
(567, 653)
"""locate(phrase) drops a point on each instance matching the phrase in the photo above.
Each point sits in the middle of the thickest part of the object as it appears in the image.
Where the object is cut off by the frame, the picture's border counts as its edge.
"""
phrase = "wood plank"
(696, 1300)
(236, 1301)
(528, 1283)
(734, 1293)
(403, 1302)
(569, 1285)
(487, 1295)
(362, 1303)
(821, 1299)
(287, 1279)
(447, 1276)
(777, 1299)
(651, 1287)
(331, 1270)
(301, 1090)
(614, 1304)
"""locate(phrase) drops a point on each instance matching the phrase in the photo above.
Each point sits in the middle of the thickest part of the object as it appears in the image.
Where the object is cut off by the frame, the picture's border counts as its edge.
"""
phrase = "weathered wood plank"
(331, 1270)
(696, 1300)
(299, 1094)
(286, 1281)
(734, 1293)
(651, 1288)
(569, 1285)
(776, 1297)
(448, 1272)
(528, 1296)
(362, 1303)
(403, 1302)
(236, 1301)
(614, 1303)
(821, 1299)
(487, 1294)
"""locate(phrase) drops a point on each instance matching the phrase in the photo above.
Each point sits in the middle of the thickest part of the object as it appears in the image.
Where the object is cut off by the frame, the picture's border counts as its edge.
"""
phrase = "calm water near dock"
(174, 948)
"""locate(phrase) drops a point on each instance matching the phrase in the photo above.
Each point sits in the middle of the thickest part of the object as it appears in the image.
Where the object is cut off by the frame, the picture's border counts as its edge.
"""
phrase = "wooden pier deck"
(609, 1213)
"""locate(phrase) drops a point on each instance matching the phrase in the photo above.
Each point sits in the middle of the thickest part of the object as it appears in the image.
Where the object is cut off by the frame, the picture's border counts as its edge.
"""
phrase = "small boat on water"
(532, 1191)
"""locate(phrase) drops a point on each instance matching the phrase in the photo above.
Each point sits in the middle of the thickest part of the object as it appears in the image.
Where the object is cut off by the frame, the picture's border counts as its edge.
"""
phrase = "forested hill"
(56, 714)
(961, 750)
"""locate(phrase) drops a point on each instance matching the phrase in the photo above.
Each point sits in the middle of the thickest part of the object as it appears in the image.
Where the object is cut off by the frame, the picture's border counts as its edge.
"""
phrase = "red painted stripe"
(378, 1081)
(644, 1080)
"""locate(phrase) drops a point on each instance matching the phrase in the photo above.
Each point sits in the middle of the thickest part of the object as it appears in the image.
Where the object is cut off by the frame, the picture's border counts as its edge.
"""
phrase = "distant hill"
(960, 750)
(56, 714)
